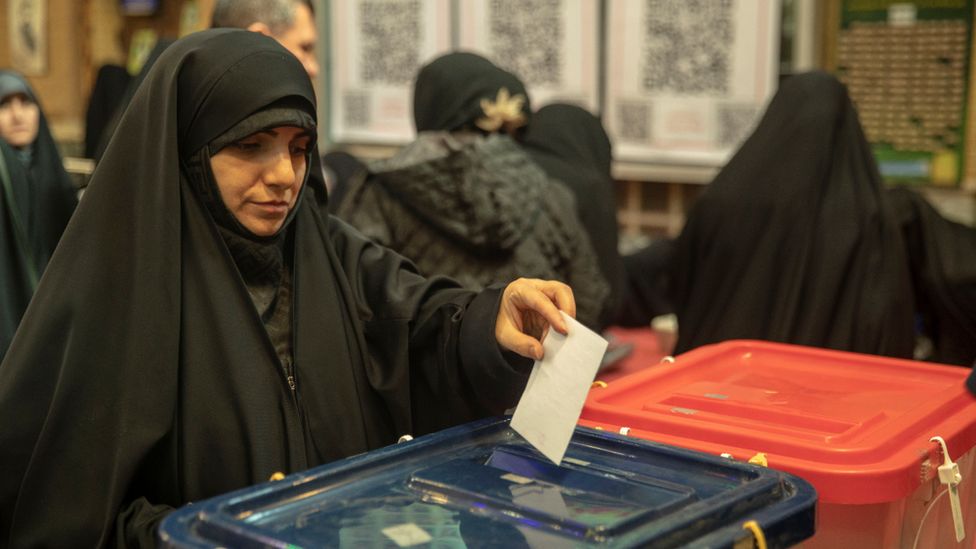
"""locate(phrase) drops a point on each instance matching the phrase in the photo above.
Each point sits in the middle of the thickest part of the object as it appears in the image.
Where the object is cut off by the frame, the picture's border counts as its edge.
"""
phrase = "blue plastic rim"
(482, 485)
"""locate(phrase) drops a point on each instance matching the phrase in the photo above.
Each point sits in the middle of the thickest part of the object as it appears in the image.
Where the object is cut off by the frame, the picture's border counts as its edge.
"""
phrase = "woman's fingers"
(530, 296)
(528, 308)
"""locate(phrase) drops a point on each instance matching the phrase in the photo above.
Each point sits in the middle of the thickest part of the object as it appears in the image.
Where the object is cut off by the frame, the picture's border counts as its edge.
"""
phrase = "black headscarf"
(571, 145)
(794, 240)
(142, 377)
(450, 90)
(38, 200)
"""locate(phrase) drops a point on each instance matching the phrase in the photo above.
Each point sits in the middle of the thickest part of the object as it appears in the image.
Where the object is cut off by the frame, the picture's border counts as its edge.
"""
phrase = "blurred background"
(678, 83)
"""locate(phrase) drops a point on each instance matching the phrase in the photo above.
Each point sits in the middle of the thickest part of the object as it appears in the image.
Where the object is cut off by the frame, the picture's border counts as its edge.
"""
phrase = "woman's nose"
(281, 172)
(18, 109)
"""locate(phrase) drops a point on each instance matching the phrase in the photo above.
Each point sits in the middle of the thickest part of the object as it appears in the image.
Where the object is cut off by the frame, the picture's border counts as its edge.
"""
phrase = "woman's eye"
(299, 148)
(247, 146)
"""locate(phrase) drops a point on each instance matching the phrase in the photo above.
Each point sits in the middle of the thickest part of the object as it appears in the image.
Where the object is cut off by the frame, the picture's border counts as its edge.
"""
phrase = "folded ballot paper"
(553, 399)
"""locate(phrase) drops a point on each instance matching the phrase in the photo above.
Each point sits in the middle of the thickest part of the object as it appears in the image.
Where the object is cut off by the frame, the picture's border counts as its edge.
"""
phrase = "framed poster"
(906, 65)
(687, 80)
(377, 47)
(27, 35)
(551, 45)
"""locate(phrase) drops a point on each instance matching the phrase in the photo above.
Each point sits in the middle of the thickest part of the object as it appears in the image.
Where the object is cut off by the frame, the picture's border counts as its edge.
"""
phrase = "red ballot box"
(857, 427)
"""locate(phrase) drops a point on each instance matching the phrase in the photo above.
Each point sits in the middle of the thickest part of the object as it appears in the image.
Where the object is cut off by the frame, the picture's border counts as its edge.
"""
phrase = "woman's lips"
(272, 207)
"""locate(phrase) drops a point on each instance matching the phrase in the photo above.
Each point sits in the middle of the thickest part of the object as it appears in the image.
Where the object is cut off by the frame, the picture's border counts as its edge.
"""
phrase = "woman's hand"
(529, 307)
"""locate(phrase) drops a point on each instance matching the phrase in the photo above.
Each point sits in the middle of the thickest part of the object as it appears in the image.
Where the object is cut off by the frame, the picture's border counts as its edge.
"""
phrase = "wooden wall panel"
(59, 88)
(82, 36)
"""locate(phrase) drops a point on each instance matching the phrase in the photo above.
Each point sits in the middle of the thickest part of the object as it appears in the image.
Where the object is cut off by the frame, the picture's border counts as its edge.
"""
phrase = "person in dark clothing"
(108, 91)
(942, 259)
(202, 327)
(108, 131)
(795, 240)
(47, 197)
(18, 268)
(571, 146)
(647, 293)
(36, 200)
(340, 168)
(465, 200)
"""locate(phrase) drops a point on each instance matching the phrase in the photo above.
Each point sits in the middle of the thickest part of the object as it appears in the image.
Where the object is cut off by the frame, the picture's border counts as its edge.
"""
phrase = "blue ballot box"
(482, 485)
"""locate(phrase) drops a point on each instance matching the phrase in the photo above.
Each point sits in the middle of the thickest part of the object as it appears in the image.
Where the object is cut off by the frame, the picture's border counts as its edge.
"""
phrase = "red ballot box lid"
(856, 426)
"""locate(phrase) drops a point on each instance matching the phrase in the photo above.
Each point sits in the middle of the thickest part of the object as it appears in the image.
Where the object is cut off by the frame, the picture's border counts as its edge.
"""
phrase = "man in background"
(290, 22)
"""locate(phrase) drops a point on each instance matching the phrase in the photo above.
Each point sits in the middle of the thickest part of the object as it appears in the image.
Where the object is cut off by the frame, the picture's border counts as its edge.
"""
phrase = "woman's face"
(260, 175)
(19, 119)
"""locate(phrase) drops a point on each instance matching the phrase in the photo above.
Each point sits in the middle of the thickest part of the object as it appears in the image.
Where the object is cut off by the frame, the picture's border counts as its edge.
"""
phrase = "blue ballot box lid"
(482, 485)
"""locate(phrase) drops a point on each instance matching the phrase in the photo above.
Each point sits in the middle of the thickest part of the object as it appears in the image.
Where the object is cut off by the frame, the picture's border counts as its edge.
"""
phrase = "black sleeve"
(432, 344)
(137, 524)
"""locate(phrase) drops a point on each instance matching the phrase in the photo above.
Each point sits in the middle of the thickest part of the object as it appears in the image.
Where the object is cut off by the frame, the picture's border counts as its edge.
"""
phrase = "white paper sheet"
(553, 398)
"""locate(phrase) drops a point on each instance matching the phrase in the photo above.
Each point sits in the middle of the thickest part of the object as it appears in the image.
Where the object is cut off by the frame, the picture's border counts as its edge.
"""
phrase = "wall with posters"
(686, 81)
(677, 81)
(375, 50)
(907, 67)
(377, 46)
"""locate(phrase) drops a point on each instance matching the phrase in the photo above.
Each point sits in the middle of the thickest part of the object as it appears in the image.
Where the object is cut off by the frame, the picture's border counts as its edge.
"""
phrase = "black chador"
(144, 377)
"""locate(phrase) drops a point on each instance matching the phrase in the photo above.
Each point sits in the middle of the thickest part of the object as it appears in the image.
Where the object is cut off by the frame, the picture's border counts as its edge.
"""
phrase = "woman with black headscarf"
(571, 146)
(47, 197)
(795, 240)
(36, 200)
(465, 200)
(203, 328)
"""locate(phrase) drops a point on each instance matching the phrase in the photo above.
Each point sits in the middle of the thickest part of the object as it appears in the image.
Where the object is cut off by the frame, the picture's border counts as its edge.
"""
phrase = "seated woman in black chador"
(795, 240)
(36, 199)
(201, 327)
(464, 200)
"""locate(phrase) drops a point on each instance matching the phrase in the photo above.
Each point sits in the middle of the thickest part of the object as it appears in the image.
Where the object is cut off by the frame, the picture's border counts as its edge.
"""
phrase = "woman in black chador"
(36, 199)
(464, 200)
(201, 327)
(795, 240)
(571, 146)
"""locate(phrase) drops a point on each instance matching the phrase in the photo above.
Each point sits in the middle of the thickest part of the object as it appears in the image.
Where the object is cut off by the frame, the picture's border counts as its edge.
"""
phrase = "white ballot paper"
(553, 398)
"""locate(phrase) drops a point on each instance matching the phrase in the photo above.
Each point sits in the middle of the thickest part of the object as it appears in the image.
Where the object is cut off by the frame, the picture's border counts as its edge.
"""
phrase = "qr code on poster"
(735, 122)
(527, 38)
(391, 34)
(355, 110)
(634, 121)
(687, 44)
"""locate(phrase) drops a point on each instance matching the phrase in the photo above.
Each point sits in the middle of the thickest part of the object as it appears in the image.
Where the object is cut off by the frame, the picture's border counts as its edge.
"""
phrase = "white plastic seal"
(950, 476)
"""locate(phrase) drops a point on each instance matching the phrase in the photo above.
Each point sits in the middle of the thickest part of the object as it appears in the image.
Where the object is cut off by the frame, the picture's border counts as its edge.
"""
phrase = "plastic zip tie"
(950, 476)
